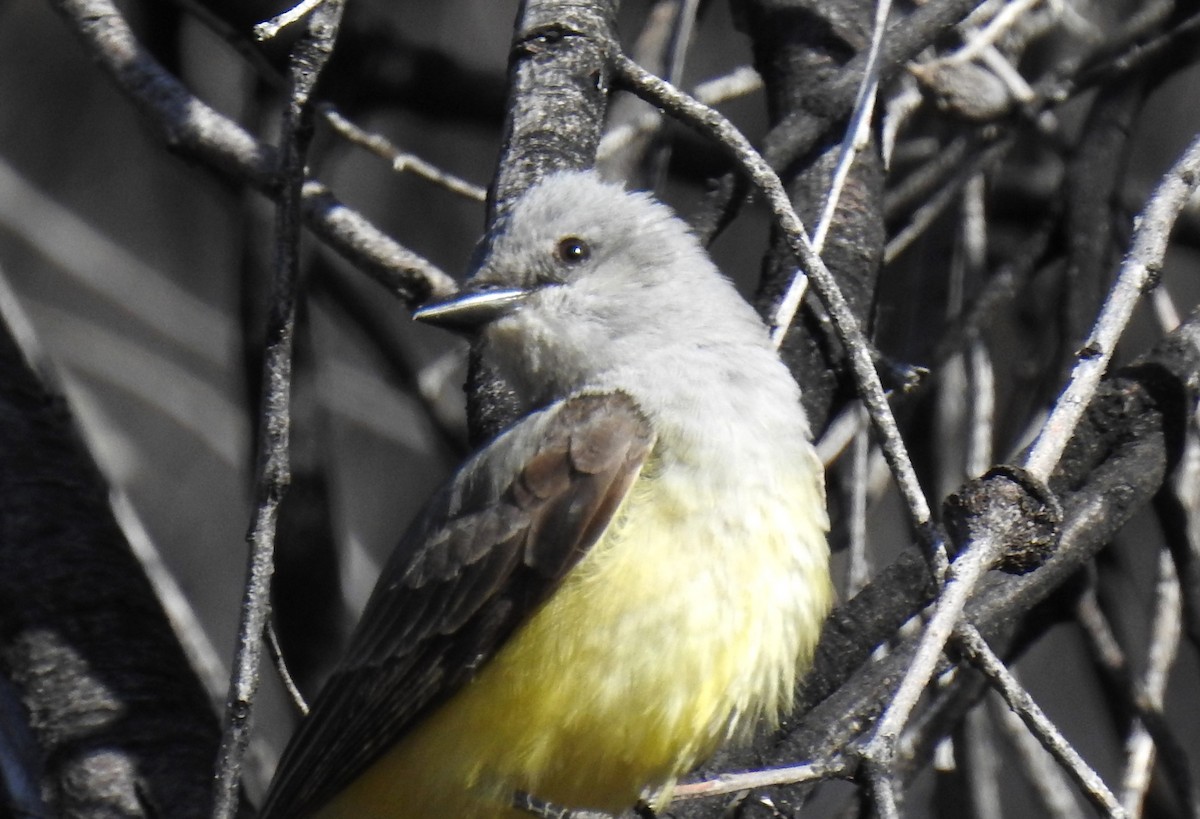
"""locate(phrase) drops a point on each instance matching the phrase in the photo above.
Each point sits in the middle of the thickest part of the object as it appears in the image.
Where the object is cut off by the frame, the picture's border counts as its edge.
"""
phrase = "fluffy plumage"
(647, 573)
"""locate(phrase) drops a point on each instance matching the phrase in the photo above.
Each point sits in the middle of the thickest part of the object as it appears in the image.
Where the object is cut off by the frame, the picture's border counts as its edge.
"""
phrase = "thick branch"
(124, 726)
(558, 93)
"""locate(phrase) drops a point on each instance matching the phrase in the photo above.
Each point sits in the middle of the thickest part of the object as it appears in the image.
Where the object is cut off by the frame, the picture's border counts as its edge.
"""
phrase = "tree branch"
(194, 130)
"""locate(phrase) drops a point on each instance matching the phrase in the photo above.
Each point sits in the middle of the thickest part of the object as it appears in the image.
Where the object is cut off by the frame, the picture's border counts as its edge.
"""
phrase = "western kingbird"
(631, 575)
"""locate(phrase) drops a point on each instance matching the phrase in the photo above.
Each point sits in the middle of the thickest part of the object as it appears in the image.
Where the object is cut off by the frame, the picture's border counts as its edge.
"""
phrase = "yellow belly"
(684, 626)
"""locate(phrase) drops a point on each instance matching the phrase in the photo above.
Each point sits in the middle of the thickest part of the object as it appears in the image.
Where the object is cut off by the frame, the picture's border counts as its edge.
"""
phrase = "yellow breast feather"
(683, 627)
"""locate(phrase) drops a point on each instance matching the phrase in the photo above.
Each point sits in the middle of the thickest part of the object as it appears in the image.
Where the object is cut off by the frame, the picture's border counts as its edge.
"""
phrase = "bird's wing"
(483, 554)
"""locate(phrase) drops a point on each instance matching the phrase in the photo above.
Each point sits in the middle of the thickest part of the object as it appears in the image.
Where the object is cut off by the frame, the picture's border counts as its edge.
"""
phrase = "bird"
(630, 576)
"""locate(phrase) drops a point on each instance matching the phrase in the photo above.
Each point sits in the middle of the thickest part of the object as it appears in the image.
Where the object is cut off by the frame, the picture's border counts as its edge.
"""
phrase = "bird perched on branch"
(631, 575)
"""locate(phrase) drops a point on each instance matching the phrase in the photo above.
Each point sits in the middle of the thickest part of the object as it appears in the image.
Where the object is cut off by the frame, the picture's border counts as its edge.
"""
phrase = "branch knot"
(1012, 506)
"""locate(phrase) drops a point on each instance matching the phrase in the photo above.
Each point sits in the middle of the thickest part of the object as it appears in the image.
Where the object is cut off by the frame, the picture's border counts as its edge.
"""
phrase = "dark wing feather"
(487, 549)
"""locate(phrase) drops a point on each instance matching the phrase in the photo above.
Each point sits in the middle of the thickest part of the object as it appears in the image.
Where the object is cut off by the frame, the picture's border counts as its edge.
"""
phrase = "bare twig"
(269, 28)
(685, 24)
(1014, 82)
(749, 780)
(1100, 637)
(961, 579)
(1111, 659)
(739, 82)
(978, 759)
(285, 676)
(982, 657)
(400, 160)
(980, 377)
(1049, 781)
(942, 162)
(858, 569)
(309, 57)
(855, 139)
(986, 37)
(196, 131)
(936, 205)
(840, 433)
(1140, 750)
(1139, 272)
(1179, 512)
(881, 788)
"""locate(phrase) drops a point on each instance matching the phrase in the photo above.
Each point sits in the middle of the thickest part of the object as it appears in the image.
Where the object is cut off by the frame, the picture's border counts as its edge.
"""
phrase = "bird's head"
(581, 279)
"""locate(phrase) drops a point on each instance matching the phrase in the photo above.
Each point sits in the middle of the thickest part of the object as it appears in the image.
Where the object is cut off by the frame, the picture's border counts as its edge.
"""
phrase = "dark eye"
(572, 250)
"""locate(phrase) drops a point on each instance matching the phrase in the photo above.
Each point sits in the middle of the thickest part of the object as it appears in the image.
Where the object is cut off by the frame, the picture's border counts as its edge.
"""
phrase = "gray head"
(585, 285)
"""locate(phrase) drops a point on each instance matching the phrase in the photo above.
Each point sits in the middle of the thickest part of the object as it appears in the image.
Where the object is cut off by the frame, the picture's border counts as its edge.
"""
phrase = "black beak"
(470, 310)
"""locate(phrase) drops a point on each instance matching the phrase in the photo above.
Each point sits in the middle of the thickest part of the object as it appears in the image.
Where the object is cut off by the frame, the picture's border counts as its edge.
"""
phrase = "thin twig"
(1164, 308)
(954, 398)
(1139, 272)
(881, 789)
(960, 580)
(858, 564)
(899, 107)
(981, 387)
(942, 163)
(1014, 82)
(739, 82)
(978, 759)
(401, 161)
(194, 640)
(269, 28)
(281, 668)
(715, 125)
(1100, 637)
(981, 378)
(982, 13)
(936, 205)
(309, 57)
(855, 139)
(749, 780)
(249, 50)
(840, 433)
(986, 37)
(681, 39)
(1049, 782)
(1111, 660)
(1179, 512)
(983, 658)
(1140, 750)
(196, 131)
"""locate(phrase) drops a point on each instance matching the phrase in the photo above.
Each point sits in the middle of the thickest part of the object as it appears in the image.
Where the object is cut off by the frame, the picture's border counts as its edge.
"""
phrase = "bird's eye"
(572, 250)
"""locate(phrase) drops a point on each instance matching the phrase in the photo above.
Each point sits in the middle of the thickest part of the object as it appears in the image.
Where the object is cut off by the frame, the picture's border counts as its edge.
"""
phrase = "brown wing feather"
(487, 549)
